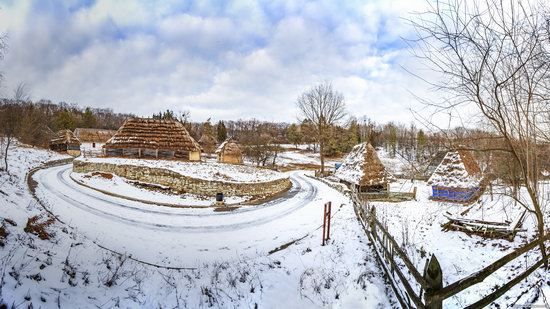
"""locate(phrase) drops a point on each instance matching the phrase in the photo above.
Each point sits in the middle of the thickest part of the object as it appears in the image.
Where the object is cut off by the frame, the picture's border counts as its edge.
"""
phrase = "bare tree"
(323, 107)
(494, 54)
(10, 121)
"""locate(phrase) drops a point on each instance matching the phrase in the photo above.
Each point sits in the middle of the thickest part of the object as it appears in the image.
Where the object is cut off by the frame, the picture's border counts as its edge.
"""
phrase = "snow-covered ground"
(122, 187)
(109, 252)
(416, 226)
(201, 170)
(302, 156)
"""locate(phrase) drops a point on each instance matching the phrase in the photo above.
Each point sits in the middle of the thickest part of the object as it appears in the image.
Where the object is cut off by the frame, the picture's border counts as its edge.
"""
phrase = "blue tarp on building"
(450, 194)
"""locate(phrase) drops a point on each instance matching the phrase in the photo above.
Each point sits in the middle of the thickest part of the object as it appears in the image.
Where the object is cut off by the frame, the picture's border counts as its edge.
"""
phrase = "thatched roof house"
(153, 138)
(457, 178)
(208, 143)
(363, 168)
(229, 152)
(65, 140)
(98, 136)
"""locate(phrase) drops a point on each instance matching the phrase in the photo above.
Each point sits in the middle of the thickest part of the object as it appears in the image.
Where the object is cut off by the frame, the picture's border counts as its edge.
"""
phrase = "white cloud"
(238, 60)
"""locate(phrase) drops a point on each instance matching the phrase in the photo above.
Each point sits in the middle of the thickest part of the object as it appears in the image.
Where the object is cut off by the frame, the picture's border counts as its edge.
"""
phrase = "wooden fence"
(416, 289)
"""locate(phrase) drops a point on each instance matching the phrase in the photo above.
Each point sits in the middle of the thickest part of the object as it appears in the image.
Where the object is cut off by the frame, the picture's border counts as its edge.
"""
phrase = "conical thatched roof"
(147, 133)
(229, 148)
(363, 167)
(458, 169)
(64, 137)
(86, 135)
(208, 142)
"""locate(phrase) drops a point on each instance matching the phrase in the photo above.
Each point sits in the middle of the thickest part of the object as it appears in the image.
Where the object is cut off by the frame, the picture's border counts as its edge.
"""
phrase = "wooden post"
(324, 224)
(434, 276)
(328, 219)
(157, 153)
(414, 193)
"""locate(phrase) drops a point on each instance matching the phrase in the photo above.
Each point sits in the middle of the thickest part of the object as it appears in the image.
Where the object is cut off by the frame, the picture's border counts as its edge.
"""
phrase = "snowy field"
(201, 170)
(109, 252)
(121, 187)
(416, 226)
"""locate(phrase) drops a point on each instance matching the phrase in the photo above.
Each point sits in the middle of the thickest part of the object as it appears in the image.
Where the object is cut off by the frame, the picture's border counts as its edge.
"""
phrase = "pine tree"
(222, 131)
(294, 135)
(88, 119)
(65, 121)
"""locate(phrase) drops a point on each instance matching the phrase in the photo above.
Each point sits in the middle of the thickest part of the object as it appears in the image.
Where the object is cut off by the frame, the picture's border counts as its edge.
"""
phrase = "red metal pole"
(328, 223)
(324, 223)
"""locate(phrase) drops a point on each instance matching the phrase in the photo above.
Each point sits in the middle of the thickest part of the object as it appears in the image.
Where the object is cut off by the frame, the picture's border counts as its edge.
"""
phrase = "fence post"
(414, 193)
(328, 219)
(372, 219)
(434, 276)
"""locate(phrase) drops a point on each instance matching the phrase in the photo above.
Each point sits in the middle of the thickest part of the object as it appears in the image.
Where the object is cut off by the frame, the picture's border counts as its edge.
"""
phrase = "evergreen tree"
(88, 118)
(222, 131)
(65, 120)
(294, 135)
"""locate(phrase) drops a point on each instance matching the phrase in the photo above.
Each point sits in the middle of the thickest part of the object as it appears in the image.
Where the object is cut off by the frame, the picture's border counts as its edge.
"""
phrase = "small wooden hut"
(458, 178)
(93, 138)
(153, 138)
(65, 141)
(229, 152)
(208, 143)
(363, 169)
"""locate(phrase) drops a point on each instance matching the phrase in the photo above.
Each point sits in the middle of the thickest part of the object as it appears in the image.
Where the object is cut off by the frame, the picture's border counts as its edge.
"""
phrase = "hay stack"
(457, 178)
(229, 152)
(159, 138)
(208, 143)
(363, 168)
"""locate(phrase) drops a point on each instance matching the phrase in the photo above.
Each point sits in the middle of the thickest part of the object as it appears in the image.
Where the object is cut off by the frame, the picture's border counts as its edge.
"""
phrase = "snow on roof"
(363, 167)
(457, 170)
(229, 147)
(64, 137)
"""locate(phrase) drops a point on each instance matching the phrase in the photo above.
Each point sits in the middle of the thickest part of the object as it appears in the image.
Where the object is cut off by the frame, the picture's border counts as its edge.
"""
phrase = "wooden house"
(93, 138)
(65, 141)
(458, 178)
(363, 169)
(153, 138)
(229, 152)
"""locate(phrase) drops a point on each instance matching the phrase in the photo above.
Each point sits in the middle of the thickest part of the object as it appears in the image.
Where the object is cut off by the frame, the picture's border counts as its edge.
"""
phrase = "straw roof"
(229, 148)
(64, 137)
(147, 133)
(363, 167)
(458, 169)
(93, 135)
(207, 140)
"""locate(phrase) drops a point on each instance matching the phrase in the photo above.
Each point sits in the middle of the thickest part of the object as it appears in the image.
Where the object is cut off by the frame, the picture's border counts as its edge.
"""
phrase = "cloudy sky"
(215, 59)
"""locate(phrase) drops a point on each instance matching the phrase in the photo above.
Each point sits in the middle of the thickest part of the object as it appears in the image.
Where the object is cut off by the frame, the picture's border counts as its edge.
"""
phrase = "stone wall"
(182, 183)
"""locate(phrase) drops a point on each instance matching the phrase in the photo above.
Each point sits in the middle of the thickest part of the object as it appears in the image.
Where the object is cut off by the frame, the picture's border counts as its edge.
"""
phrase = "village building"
(65, 141)
(458, 178)
(363, 169)
(153, 138)
(93, 138)
(229, 152)
(208, 143)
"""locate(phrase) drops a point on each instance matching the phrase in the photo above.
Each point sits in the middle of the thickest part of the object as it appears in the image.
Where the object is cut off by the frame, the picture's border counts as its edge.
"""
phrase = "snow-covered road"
(181, 237)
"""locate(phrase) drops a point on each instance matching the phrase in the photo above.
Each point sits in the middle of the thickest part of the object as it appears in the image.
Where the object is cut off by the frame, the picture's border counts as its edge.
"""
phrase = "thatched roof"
(93, 135)
(363, 167)
(458, 169)
(64, 137)
(207, 140)
(229, 148)
(147, 133)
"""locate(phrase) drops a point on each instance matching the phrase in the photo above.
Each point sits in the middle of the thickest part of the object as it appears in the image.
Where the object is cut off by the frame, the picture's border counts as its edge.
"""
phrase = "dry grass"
(39, 227)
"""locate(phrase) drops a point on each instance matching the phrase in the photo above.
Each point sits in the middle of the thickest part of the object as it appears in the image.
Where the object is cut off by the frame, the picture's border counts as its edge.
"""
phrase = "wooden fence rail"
(431, 293)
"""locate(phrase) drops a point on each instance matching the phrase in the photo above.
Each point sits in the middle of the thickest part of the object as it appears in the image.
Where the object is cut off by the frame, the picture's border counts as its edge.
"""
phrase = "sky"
(215, 59)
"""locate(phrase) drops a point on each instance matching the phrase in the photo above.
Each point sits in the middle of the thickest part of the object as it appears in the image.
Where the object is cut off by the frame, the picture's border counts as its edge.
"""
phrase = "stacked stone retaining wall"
(185, 184)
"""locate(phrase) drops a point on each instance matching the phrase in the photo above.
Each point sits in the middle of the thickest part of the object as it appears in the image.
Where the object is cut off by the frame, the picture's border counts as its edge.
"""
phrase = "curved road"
(183, 236)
